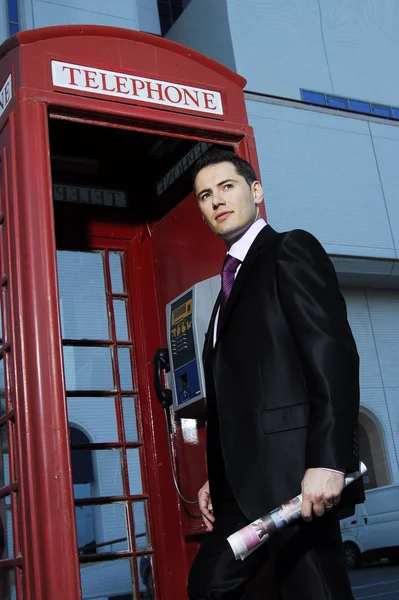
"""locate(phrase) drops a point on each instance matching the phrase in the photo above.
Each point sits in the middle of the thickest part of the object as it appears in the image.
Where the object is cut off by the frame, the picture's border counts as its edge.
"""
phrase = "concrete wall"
(135, 14)
(204, 25)
(340, 47)
(374, 318)
(332, 175)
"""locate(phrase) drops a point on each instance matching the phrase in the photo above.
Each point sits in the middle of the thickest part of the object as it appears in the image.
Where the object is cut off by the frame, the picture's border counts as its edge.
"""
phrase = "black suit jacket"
(283, 378)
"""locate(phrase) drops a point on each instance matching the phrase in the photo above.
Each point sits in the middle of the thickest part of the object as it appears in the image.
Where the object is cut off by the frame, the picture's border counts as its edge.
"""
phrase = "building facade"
(323, 100)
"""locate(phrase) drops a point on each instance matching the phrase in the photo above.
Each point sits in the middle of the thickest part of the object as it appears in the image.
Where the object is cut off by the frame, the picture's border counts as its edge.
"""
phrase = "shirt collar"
(240, 248)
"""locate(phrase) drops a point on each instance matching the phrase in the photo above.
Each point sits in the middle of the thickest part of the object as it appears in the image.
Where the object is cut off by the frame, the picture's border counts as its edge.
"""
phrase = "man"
(282, 380)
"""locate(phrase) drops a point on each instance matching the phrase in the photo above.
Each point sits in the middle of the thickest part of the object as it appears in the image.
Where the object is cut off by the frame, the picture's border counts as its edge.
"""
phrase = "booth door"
(109, 463)
(127, 232)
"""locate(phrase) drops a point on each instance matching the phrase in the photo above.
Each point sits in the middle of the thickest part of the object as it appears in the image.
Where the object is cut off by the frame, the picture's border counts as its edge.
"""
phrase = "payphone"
(187, 320)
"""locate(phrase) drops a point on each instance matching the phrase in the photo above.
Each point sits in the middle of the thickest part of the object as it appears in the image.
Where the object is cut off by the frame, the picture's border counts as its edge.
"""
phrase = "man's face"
(226, 201)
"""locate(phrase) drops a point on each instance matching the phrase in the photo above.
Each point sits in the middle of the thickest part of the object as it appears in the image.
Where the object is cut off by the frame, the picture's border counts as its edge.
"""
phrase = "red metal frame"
(44, 479)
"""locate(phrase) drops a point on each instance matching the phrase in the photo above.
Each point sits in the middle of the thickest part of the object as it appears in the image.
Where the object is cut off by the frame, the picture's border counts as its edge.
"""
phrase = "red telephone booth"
(98, 231)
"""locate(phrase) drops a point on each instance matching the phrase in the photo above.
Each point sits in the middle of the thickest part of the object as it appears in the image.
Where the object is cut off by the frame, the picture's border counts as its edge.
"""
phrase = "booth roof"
(30, 36)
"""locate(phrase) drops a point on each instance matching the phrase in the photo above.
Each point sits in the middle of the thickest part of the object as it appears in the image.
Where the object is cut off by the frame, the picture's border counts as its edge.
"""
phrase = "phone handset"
(161, 363)
(164, 395)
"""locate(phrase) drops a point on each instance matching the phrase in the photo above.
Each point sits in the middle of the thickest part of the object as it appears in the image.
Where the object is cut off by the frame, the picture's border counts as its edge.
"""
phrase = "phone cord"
(171, 462)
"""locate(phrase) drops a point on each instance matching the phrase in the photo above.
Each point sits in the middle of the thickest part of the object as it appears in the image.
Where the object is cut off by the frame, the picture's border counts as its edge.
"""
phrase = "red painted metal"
(163, 261)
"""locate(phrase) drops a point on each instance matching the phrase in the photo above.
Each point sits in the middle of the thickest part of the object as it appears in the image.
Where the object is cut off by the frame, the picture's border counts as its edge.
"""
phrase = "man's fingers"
(319, 509)
(306, 510)
(207, 524)
(206, 509)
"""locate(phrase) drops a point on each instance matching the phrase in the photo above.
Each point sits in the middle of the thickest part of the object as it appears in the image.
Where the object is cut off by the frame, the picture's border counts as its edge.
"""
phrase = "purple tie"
(229, 268)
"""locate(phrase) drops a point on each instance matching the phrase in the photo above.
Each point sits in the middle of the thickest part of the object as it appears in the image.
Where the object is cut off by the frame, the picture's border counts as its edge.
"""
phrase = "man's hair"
(218, 155)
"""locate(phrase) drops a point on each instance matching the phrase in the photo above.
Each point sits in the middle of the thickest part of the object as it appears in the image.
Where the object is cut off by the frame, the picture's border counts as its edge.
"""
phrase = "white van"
(373, 531)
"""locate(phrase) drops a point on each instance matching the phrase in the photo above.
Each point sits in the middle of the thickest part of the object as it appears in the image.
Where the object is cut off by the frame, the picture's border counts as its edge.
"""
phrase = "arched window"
(83, 479)
(372, 451)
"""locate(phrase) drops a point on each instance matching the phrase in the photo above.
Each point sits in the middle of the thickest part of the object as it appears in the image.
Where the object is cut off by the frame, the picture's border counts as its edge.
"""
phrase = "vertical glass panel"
(3, 407)
(2, 257)
(122, 333)
(100, 471)
(5, 460)
(125, 369)
(133, 462)
(313, 97)
(337, 102)
(88, 368)
(146, 576)
(83, 306)
(13, 28)
(13, 11)
(115, 265)
(129, 419)
(140, 525)
(96, 415)
(359, 106)
(6, 528)
(7, 584)
(107, 579)
(109, 521)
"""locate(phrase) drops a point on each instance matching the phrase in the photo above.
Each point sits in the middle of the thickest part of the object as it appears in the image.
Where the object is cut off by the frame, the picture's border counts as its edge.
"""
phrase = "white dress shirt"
(239, 250)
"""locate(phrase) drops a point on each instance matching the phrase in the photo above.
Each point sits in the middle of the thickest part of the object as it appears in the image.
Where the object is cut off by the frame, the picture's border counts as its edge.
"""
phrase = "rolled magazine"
(249, 538)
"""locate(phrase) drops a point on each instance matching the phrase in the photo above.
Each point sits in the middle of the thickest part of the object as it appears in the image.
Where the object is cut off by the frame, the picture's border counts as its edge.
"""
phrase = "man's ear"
(257, 192)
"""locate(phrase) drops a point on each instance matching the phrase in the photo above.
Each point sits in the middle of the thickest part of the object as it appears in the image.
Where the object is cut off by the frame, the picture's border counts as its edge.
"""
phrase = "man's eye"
(204, 196)
(227, 186)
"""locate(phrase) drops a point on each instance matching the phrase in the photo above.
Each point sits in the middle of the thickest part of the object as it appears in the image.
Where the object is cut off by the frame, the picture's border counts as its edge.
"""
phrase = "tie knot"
(230, 264)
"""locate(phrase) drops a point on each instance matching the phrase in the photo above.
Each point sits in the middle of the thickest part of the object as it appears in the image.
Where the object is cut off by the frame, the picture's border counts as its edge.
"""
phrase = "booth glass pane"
(5, 457)
(107, 579)
(88, 368)
(6, 524)
(96, 415)
(3, 405)
(144, 568)
(99, 470)
(2, 380)
(141, 533)
(129, 419)
(83, 306)
(115, 265)
(133, 462)
(125, 369)
(122, 332)
(7, 584)
(101, 528)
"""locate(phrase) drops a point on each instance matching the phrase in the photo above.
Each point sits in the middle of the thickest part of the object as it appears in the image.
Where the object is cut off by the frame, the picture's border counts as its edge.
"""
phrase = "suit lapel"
(208, 345)
(263, 239)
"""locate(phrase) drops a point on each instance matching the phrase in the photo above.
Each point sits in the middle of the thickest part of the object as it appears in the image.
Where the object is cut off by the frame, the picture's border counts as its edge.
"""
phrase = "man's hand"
(321, 490)
(205, 504)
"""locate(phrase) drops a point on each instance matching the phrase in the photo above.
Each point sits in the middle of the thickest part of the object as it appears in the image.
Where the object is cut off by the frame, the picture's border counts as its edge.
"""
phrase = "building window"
(169, 12)
(350, 104)
(13, 20)
(382, 111)
(313, 97)
(337, 102)
(359, 106)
